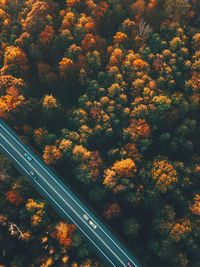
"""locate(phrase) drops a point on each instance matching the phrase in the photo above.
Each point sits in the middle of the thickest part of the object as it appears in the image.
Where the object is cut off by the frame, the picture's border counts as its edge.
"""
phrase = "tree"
(36, 210)
(63, 233)
(36, 18)
(119, 177)
(46, 34)
(15, 61)
(178, 229)
(10, 103)
(195, 208)
(51, 154)
(46, 75)
(120, 38)
(40, 135)
(49, 102)
(131, 227)
(65, 67)
(88, 43)
(164, 174)
(8, 81)
(112, 211)
(50, 106)
(176, 9)
(14, 197)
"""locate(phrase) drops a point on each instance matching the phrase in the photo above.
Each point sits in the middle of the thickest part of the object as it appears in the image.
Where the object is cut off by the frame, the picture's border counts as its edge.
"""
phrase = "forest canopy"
(108, 93)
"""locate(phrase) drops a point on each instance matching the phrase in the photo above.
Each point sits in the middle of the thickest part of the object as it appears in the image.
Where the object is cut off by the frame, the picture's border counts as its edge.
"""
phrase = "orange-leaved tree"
(65, 66)
(15, 61)
(51, 154)
(14, 197)
(63, 233)
(46, 34)
(164, 174)
(119, 177)
(195, 208)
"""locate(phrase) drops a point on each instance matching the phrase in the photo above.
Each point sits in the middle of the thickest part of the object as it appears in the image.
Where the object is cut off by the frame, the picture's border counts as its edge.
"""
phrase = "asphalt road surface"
(64, 201)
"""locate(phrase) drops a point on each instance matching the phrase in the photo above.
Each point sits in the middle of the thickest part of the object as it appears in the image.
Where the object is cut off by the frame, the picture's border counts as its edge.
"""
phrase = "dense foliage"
(108, 92)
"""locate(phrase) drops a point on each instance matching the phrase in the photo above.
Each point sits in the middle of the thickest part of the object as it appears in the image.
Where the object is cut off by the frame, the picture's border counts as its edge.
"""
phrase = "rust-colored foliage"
(95, 164)
(95, 112)
(7, 81)
(100, 9)
(13, 91)
(88, 42)
(81, 62)
(139, 128)
(195, 79)
(14, 197)
(72, 3)
(158, 64)
(138, 7)
(132, 151)
(63, 233)
(45, 74)
(112, 211)
(47, 34)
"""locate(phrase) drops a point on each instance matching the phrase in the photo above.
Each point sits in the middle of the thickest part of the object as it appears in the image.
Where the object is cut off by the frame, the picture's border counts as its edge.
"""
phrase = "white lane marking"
(64, 201)
(69, 196)
(58, 205)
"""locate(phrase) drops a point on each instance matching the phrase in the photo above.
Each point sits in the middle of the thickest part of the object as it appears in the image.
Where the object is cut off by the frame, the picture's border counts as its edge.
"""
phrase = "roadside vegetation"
(108, 92)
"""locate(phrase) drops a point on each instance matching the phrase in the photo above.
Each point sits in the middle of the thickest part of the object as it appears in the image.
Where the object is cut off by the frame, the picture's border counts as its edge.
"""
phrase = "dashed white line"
(64, 200)
(70, 197)
(59, 206)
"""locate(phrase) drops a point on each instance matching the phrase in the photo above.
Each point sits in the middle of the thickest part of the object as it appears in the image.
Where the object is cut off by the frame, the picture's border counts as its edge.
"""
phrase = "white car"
(33, 175)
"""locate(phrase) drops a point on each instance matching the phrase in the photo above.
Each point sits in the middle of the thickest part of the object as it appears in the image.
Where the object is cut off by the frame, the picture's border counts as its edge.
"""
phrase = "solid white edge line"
(66, 203)
(69, 196)
(58, 205)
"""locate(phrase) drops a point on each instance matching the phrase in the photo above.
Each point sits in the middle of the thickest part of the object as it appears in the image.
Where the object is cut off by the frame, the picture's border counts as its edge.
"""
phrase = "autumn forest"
(108, 94)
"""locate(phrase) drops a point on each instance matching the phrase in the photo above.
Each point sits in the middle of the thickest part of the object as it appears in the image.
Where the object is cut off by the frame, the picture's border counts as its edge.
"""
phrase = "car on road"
(27, 156)
(33, 175)
(129, 264)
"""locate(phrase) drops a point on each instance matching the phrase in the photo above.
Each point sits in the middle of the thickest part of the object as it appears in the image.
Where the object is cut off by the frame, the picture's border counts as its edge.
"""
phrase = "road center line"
(59, 206)
(70, 196)
(65, 201)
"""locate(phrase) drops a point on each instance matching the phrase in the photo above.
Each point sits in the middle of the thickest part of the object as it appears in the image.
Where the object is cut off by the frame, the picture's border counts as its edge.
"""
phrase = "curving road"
(64, 201)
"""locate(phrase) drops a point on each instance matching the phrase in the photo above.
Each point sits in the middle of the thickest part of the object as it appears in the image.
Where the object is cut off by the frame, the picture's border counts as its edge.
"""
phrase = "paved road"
(64, 201)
